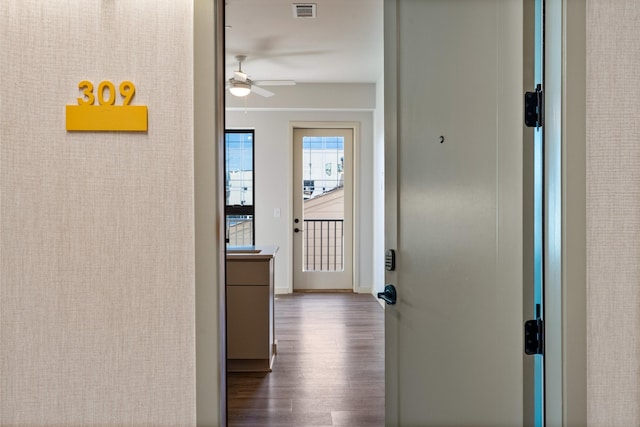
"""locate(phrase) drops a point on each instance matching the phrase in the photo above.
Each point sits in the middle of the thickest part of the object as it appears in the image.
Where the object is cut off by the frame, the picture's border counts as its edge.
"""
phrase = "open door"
(453, 168)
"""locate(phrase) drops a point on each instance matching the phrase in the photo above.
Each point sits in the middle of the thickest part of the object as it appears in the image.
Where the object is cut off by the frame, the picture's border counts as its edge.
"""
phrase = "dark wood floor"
(329, 370)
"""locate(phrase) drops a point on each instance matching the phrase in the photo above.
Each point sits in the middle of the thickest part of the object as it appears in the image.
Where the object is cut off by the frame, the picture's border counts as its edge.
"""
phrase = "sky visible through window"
(239, 168)
(239, 154)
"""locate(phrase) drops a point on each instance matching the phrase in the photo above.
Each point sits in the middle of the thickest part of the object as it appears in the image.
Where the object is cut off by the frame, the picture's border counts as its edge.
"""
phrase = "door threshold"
(321, 291)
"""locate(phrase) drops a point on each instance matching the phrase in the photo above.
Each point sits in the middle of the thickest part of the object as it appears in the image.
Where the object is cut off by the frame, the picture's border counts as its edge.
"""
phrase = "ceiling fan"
(241, 85)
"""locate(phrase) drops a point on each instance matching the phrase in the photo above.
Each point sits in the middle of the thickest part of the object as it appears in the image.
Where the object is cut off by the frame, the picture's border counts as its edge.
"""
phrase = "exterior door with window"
(323, 209)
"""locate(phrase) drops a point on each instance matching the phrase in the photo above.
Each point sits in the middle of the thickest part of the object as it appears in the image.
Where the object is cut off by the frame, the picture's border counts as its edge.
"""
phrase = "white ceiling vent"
(304, 10)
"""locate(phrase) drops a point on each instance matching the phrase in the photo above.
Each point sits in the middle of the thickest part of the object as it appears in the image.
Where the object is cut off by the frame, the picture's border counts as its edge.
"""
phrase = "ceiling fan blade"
(262, 92)
(240, 76)
(275, 82)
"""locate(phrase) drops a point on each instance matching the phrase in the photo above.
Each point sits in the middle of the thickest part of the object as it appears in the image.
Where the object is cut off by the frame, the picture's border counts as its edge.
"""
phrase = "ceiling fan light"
(240, 89)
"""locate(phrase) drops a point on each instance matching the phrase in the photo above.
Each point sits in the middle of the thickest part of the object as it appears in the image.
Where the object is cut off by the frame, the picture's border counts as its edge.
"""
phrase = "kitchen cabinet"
(251, 343)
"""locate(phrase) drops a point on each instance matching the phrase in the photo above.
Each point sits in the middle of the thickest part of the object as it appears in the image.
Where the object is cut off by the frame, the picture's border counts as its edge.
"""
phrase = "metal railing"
(240, 230)
(323, 247)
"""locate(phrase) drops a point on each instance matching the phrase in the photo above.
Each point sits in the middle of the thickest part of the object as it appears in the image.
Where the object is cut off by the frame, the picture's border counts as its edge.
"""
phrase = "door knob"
(296, 230)
(389, 295)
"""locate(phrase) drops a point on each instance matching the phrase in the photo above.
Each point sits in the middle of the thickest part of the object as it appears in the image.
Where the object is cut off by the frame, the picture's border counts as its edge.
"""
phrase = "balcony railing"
(240, 230)
(323, 246)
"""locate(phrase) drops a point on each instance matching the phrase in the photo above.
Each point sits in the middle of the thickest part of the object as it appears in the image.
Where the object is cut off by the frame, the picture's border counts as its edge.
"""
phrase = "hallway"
(329, 370)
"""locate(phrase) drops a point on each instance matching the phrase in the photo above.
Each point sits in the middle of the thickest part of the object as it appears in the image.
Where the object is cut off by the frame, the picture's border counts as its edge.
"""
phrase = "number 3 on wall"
(127, 90)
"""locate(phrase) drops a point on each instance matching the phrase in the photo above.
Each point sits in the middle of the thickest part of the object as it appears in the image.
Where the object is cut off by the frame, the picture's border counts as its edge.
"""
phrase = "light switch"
(276, 212)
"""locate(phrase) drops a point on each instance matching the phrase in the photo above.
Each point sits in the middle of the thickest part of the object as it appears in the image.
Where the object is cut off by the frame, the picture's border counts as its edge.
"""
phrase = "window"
(239, 184)
(323, 164)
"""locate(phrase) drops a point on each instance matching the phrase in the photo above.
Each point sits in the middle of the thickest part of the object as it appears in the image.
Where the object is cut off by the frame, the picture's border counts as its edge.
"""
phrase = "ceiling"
(343, 44)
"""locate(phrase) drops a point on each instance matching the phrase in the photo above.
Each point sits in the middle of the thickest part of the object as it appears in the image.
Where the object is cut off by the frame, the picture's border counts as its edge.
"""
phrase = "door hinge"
(534, 336)
(533, 108)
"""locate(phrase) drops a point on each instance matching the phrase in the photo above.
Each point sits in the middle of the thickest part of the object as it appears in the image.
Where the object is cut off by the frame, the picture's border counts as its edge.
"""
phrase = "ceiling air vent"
(304, 10)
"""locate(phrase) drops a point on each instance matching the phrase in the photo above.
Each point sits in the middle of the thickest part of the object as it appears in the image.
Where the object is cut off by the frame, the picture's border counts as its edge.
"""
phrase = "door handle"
(296, 230)
(389, 295)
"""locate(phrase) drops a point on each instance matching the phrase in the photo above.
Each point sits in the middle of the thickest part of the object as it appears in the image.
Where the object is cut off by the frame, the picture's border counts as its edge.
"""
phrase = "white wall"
(273, 169)
(311, 97)
(97, 323)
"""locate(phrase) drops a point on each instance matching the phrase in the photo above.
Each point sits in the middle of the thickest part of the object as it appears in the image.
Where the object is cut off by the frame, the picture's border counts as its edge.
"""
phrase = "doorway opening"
(558, 377)
(337, 101)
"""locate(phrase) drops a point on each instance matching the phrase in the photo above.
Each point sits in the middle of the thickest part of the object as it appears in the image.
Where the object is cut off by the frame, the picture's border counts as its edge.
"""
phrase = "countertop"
(251, 252)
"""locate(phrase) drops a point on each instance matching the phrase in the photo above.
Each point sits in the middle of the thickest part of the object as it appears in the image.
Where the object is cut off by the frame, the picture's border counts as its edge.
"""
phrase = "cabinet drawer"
(246, 272)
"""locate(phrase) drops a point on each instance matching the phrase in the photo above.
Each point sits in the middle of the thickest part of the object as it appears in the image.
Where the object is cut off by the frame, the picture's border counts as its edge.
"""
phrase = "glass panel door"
(323, 193)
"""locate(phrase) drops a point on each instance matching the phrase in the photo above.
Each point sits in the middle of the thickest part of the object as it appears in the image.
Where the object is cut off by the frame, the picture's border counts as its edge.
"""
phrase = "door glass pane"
(323, 203)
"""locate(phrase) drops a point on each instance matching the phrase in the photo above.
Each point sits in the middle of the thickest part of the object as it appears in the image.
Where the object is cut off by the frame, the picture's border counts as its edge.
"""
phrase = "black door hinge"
(533, 108)
(534, 336)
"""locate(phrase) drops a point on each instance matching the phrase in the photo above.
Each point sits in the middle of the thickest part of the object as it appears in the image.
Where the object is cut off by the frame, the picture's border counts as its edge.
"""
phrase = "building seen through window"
(239, 185)
(323, 165)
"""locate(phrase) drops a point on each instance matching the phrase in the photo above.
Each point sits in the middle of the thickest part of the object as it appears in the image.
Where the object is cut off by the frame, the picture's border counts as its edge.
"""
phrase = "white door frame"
(309, 280)
(355, 127)
(565, 275)
(209, 264)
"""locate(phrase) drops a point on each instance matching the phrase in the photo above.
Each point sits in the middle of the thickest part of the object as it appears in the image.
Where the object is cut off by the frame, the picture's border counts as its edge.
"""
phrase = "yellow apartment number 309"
(106, 116)
(127, 90)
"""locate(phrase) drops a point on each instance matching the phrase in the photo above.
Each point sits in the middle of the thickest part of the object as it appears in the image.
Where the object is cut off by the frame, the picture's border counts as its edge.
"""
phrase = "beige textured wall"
(96, 229)
(613, 212)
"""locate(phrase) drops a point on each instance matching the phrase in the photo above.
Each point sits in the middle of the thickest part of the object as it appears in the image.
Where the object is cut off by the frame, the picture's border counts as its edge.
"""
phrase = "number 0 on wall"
(106, 116)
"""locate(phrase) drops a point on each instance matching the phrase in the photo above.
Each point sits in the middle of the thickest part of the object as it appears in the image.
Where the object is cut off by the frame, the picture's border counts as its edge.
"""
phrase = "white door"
(323, 209)
(453, 159)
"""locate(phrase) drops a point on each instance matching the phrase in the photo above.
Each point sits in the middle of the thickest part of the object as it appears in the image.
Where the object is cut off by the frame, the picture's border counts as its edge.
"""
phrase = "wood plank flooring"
(329, 370)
